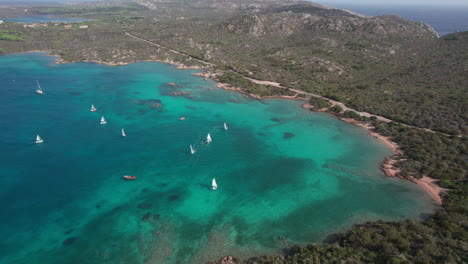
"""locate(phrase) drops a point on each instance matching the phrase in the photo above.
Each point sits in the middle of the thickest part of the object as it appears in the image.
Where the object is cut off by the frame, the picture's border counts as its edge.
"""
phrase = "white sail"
(214, 186)
(123, 133)
(103, 121)
(93, 109)
(39, 139)
(225, 126)
(192, 151)
(208, 138)
(39, 89)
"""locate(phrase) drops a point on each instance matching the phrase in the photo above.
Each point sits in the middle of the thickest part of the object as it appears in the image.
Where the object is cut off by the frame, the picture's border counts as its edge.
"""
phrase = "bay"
(43, 19)
(285, 175)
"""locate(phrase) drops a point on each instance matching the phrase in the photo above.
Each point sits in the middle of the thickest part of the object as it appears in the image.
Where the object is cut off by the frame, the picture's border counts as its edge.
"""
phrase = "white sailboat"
(225, 126)
(103, 121)
(123, 133)
(93, 109)
(39, 89)
(214, 186)
(39, 139)
(192, 151)
(208, 138)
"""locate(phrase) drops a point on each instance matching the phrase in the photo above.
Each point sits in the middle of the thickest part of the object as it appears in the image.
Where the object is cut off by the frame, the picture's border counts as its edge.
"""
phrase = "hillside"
(337, 54)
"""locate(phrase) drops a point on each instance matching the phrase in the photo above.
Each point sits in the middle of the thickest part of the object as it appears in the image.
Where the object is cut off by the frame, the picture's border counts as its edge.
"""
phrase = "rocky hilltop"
(310, 18)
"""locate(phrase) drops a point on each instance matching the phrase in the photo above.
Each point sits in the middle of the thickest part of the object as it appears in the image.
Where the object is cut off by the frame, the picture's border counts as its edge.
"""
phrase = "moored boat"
(192, 150)
(214, 185)
(129, 177)
(39, 139)
(39, 89)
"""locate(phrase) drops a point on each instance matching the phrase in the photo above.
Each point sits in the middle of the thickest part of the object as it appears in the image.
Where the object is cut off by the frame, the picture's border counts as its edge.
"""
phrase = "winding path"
(169, 49)
(277, 85)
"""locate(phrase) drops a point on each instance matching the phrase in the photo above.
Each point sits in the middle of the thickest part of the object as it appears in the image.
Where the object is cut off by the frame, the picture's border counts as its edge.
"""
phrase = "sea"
(285, 175)
(444, 18)
(43, 19)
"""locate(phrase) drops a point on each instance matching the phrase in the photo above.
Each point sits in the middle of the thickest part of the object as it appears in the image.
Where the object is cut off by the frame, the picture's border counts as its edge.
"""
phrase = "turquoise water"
(285, 175)
(43, 19)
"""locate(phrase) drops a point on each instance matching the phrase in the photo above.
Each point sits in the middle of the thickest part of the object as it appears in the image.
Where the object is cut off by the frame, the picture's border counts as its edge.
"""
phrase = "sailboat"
(39, 89)
(123, 133)
(93, 109)
(192, 151)
(225, 126)
(103, 121)
(39, 139)
(208, 138)
(214, 186)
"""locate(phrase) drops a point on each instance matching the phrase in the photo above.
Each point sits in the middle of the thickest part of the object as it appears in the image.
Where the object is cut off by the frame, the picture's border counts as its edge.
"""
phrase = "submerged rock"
(288, 135)
(148, 217)
(174, 197)
(149, 102)
(179, 93)
(69, 241)
(144, 205)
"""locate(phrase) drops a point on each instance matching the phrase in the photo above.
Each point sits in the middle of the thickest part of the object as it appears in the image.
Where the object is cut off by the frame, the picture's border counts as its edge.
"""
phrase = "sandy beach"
(388, 165)
(430, 186)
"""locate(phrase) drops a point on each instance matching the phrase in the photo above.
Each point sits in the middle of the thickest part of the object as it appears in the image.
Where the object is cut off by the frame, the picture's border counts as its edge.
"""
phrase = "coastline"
(387, 165)
(426, 183)
(60, 60)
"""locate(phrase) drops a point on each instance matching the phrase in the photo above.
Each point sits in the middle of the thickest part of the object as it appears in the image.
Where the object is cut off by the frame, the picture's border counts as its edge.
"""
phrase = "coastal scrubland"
(384, 65)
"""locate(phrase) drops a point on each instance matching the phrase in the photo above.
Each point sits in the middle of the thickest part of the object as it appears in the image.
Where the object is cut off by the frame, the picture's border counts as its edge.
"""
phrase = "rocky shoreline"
(388, 164)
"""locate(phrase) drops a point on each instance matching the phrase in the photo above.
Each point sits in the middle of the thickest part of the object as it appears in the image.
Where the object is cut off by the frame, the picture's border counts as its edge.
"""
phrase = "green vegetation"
(426, 153)
(336, 109)
(11, 35)
(237, 80)
(319, 103)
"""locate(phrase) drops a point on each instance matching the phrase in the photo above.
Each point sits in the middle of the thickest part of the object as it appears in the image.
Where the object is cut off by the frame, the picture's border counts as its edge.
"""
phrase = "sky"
(396, 2)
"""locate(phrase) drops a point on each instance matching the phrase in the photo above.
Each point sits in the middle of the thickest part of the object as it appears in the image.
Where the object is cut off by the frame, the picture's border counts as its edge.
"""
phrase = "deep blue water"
(444, 19)
(43, 19)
